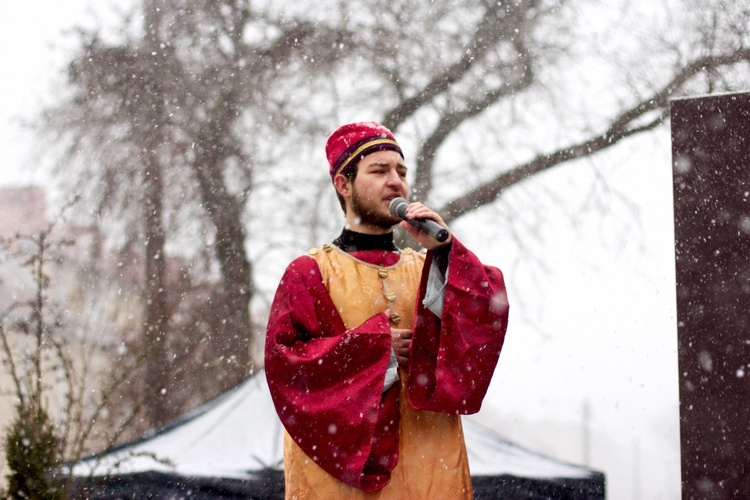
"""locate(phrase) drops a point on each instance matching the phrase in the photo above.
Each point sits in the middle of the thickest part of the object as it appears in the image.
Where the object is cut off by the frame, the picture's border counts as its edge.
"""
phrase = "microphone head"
(398, 207)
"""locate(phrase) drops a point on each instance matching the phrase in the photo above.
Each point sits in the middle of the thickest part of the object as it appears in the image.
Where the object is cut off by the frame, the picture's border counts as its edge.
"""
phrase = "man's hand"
(400, 342)
(418, 211)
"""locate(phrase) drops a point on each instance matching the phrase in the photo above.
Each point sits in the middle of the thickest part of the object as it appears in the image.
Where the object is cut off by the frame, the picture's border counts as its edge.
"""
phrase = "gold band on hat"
(357, 152)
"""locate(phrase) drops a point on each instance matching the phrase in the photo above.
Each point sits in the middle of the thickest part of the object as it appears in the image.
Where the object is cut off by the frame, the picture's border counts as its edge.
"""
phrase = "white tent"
(232, 446)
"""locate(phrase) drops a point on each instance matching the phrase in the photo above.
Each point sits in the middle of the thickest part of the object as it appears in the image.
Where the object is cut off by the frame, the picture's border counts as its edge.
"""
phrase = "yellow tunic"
(432, 460)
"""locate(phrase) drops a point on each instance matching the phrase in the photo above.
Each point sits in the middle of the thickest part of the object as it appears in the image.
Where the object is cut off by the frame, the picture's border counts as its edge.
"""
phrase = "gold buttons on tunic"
(390, 295)
(312, 251)
(327, 247)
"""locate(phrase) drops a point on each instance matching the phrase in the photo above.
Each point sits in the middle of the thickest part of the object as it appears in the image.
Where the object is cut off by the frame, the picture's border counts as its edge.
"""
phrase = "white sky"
(31, 46)
(600, 333)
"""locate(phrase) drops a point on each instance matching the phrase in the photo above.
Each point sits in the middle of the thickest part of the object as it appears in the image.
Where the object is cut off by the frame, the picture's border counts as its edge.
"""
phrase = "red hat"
(352, 142)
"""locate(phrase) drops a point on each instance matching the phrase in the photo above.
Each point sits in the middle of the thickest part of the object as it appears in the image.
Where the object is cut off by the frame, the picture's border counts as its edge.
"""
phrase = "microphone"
(429, 226)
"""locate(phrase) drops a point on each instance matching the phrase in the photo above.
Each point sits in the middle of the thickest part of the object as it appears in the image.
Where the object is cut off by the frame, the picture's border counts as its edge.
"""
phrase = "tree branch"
(452, 119)
(492, 28)
(622, 126)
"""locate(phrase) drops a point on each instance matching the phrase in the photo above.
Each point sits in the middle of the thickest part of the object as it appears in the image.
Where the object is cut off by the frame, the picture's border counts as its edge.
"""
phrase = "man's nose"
(393, 178)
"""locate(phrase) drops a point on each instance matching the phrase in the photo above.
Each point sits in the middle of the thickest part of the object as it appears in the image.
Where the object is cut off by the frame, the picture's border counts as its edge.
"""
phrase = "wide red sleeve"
(326, 381)
(453, 358)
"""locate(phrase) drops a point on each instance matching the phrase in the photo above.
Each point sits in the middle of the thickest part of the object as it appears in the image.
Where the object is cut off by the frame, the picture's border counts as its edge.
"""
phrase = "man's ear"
(343, 185)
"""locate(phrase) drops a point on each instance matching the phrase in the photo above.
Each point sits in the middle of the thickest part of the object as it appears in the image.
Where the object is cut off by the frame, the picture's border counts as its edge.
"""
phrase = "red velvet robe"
(327, 381)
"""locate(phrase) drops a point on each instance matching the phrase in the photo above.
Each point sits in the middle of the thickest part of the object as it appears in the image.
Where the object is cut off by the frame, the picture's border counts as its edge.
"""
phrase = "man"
(372, 352)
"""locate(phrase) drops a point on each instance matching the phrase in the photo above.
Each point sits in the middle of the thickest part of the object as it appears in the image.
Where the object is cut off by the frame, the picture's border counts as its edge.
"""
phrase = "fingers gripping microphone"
(398, 209)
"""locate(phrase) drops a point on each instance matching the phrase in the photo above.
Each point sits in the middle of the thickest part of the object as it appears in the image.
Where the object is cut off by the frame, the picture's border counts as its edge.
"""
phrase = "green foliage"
(32, 450)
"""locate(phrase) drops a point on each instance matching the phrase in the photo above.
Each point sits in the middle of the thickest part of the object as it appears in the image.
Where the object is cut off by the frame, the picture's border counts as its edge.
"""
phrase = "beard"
(368, 213)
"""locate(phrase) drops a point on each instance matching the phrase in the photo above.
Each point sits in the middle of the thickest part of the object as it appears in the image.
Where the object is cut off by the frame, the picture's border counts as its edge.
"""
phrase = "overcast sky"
(599, 334)
(31, 49)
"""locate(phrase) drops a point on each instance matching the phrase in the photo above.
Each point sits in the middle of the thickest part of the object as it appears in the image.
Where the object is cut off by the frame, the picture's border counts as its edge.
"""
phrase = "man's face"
(381, 177)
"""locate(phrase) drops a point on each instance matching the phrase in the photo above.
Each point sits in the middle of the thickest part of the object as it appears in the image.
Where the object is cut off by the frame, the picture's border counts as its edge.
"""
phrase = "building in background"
(23, 210)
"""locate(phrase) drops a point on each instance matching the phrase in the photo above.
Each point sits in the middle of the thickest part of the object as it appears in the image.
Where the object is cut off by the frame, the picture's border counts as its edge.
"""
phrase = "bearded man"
(374, 352)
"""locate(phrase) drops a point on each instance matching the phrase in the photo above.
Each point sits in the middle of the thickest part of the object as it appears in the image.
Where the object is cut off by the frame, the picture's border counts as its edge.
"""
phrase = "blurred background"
(178, 149)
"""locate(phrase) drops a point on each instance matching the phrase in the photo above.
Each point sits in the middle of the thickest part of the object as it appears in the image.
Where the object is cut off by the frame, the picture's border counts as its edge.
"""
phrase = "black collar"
(350, 241)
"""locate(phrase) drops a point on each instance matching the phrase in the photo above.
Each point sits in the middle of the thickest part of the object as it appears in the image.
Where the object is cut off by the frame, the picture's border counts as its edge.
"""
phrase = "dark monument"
(711, 168)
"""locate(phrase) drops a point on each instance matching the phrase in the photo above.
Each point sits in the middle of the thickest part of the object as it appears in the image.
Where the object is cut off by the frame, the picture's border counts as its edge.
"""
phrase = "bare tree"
(447, 72)
(205, 109)
(148, 130)
(155, 133)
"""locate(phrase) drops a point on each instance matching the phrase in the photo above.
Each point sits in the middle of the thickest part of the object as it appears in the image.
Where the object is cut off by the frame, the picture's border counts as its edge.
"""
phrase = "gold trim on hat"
(359, 150)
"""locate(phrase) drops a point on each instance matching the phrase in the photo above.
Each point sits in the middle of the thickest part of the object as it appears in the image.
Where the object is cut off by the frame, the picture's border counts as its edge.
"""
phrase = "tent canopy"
(234, 444)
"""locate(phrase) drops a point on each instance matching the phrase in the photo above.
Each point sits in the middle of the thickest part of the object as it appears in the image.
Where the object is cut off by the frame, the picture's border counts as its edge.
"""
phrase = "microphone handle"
(430, 227)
